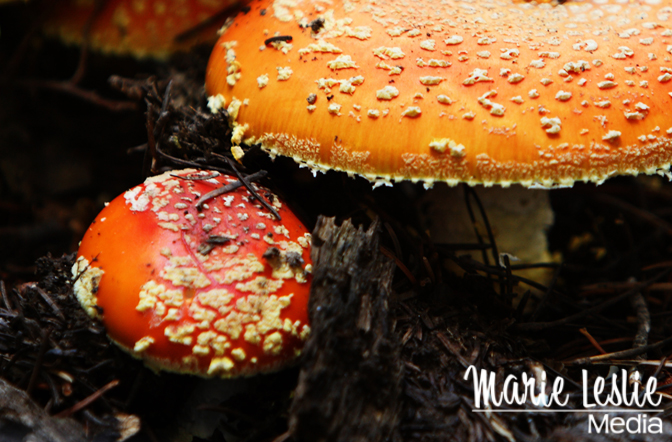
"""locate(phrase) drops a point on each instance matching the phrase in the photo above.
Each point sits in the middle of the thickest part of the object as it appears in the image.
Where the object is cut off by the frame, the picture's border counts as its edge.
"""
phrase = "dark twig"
(5, 298)
(468, 191)
(277, 38)
(621, 354)
(592, 340)
(50, 302)
(154, 130)
(44, 344)
(88, 400)
(197, 177)
(644, 215)
(643, 321)
(399, 264)
(249, 188)
(228, 188)
(536, 326)
(72, 89)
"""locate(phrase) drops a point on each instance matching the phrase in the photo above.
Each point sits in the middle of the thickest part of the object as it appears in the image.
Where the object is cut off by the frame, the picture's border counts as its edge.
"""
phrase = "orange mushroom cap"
(478, 92)
(221, 291)
(140, 28)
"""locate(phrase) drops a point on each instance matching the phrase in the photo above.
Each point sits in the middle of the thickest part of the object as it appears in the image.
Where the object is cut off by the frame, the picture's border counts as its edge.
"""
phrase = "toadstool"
(140, 28)
(484, 93)
(492, 93)
(214, 288)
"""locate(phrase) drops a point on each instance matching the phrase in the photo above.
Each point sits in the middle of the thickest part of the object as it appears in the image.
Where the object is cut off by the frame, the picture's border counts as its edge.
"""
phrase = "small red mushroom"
(139, 28)
(218, 288)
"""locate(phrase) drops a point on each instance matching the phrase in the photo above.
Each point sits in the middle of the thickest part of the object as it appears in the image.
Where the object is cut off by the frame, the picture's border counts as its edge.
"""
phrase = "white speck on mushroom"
(586, 45)
(342, 62)
(603, 104)
(597, 62)
(477, 75)
(282, 46)
(563, 95)
(606, 84)
(311, 108)
(456, 150)
(346, 87)
(483, 54)
(216, 102)
(517, 99)
(551, 125)
(547, 54)
(508, 54)
(545, 81)
(262, 81)
(428, 45)
(394, 70)
(582, 82)
(387, 93)
(359, 32)
(444, 99)
(431, 81)
(411, 112)
(515, 78)
(577, 67)
(665, 78)
(326, 84)
(373, 113)
(396, 32)
(284, 73)
(644, 84)
(334, 109)
(611, 135)
(453, 40)
(320, 46)
(539, 64)
(434, 63)
(385, 53)
(533, 93)
(641, 107)
(494, 108)
(468, 115)
(629, 32)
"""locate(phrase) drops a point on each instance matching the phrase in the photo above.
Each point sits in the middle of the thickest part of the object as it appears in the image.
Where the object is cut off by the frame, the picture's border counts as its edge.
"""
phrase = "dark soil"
(396, 328)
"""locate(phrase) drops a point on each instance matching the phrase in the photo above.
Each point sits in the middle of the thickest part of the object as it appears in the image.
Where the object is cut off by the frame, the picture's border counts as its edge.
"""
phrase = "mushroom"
(489, 93)
(140, 28)
(193, 284)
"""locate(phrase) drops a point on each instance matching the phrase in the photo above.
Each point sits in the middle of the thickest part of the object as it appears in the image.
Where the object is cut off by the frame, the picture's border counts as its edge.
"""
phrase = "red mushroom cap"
(141, 28)
(482, 92)
(220, 291)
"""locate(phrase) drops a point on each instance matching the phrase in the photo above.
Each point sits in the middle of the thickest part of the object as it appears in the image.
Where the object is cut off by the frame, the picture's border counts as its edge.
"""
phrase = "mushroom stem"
(519, 219)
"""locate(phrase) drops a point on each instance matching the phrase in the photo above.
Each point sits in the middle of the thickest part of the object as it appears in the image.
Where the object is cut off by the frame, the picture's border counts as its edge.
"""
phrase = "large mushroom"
(140, 28)
(212, 286)
(491, 93)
